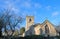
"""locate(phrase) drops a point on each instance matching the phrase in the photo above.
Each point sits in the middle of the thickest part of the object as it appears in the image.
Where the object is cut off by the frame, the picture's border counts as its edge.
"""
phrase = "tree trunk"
(0, 33)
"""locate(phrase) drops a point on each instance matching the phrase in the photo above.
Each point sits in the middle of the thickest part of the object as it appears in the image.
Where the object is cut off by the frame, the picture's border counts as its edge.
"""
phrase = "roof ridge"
(48, 21)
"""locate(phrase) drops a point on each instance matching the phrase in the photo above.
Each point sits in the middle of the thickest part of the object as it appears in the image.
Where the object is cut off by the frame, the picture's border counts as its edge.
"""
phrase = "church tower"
(29, 21)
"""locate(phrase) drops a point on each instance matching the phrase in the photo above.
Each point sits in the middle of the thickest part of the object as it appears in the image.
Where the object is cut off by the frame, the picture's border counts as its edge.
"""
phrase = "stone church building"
(46, 28)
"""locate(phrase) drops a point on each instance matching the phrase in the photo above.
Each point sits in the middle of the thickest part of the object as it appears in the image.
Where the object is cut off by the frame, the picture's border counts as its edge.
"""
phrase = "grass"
(33, 37)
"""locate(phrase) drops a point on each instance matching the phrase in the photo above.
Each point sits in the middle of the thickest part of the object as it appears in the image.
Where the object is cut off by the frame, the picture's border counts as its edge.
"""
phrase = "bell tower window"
(30, 20)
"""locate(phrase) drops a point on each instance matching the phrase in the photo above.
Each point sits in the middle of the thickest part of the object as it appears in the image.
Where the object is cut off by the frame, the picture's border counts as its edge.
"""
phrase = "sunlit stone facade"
(46, 28)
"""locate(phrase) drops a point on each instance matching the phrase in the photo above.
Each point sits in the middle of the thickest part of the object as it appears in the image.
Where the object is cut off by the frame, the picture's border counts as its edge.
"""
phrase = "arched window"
(46, 29)
(30, 20)
(41, 31)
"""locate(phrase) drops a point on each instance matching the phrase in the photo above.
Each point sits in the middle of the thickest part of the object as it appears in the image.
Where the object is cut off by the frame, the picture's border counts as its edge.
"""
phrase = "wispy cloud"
(26, 7)
(55, 13)
(10, 5)
(26, 4)
(48, 7)
(37, 5)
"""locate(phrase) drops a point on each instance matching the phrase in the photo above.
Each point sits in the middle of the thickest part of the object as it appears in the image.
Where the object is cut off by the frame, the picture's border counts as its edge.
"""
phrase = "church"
(46, 28)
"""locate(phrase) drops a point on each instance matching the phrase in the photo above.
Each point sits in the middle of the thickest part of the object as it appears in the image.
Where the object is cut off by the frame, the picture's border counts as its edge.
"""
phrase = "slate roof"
(57, 28)
(42, 23)
(47, 21)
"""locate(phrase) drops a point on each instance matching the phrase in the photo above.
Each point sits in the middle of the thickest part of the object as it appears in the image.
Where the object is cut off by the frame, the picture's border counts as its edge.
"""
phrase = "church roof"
(57, 28)
(48, 22)
(42, 23)
(35, 25)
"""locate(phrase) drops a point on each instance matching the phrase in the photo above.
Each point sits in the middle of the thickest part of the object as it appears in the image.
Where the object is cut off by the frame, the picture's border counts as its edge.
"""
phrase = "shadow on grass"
(32, 37)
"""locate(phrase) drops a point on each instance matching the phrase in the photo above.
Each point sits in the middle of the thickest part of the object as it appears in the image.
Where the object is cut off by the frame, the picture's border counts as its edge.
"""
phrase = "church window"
(30, 20)
(41, 31)
(46, 29)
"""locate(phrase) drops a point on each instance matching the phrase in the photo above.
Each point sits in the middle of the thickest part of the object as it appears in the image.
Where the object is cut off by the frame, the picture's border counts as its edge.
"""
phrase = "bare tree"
(9, 20)
(1, 25)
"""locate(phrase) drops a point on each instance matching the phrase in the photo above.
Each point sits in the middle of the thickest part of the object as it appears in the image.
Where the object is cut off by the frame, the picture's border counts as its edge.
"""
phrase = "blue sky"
(40, 9)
